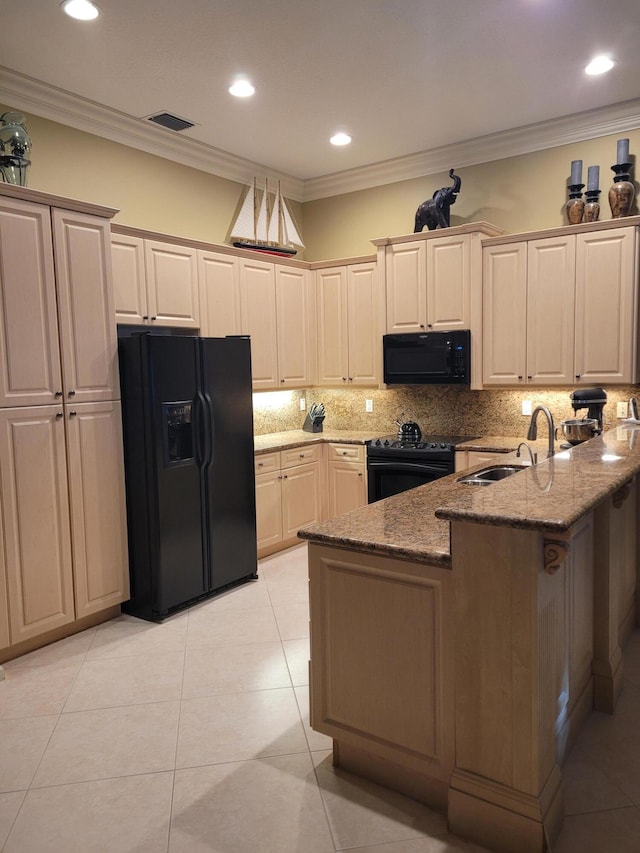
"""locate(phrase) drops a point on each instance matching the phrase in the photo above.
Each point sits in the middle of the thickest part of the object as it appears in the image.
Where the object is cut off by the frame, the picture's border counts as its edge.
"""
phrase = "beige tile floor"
(193, 736)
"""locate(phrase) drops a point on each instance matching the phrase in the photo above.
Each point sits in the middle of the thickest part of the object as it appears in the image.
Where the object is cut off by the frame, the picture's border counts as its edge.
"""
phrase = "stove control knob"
(443, 445)
(386, 442)
(433, 444)
(377, 442)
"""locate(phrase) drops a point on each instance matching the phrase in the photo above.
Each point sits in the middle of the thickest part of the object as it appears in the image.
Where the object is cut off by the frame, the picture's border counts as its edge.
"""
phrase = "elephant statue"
(435, 211)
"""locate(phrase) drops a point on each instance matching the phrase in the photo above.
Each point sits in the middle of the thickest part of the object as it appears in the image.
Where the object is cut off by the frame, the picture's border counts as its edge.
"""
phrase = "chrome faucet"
(533, 427)
(534, 456)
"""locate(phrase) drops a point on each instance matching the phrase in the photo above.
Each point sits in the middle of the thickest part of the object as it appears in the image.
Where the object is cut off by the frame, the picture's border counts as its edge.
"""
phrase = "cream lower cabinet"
(62, 514)
(465, 459)
(349, 333)
(288, 496)
(155, 283)
(346, 471)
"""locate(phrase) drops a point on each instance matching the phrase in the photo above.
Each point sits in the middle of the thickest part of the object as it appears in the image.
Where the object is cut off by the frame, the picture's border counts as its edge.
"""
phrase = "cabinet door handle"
(422, 325)
(58, 394)
(280, 476)
(58, 415)
(260, 464)
(577, 376)
(302, 456)
(145, 316)
(282, 380)
(154, 318)
(72, 413)
(359, 473)
(351, 379)
(529, 377)
(285, 477)
(519, 377)
(344, 452)
(344, 378)
(429, 325)
(71, 394)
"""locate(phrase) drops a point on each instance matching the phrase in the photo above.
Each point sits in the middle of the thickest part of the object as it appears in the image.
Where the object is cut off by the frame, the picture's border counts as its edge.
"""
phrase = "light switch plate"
(368, 405)
(623, 409)
(303, 404)
(526, 407)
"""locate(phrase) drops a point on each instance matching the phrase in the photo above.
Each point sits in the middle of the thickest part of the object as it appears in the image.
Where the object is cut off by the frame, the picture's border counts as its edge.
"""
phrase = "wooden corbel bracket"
(555, 550)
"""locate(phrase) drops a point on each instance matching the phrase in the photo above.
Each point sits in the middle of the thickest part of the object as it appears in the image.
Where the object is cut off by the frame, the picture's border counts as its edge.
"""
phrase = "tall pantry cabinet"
(63, 551)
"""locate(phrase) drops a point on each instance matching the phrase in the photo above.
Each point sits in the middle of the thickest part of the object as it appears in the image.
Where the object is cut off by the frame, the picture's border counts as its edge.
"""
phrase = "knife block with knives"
(315, 416)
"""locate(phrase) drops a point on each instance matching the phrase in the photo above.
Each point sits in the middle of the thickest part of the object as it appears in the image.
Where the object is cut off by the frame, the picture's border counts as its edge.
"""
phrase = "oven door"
(390, 477)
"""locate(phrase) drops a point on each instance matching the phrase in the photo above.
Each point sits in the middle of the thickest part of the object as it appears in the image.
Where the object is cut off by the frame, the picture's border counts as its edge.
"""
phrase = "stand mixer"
(592, 399)
(581, 429)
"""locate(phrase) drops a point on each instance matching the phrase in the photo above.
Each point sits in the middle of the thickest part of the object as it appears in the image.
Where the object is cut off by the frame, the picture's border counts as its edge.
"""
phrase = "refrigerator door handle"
(211, 432)
(199, 429)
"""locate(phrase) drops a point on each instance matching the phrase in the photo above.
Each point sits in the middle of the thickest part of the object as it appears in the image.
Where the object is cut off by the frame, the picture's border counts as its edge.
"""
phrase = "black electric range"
(396, 464)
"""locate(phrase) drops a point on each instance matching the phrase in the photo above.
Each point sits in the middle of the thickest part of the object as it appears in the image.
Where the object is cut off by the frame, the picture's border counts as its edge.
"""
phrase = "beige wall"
(149, 191)
(518, 194)
(522, 193)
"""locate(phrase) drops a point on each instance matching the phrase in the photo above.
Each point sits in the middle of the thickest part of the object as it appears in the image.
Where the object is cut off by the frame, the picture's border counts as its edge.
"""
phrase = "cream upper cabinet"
(258, 306)
(333, 330)
(30, 370)
(219, 284)
(449, 283)
(35, 520)
(349, 334)
(365, 338)
(550, 310)
(529, 312)
(172, 284)
(406, 287)
(98, 522)
(429, 284)
(606, 307)
(154, 283)
(505, 314)
(85, 307)
(129, 280)
(295, 321)
(277, 312)
(562, 309)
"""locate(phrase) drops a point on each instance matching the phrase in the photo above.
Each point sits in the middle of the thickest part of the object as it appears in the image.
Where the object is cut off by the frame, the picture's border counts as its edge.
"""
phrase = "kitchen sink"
(491, 475)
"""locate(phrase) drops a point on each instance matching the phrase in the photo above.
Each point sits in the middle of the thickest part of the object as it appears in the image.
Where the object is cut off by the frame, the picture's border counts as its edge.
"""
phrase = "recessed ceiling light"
(242, 89)
(340, 139)
(599, 65)
(81, 10)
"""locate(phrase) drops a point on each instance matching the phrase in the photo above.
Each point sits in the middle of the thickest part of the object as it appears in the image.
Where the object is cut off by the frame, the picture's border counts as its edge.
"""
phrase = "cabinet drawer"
(265, 463)
(346, 452)
(300, 455)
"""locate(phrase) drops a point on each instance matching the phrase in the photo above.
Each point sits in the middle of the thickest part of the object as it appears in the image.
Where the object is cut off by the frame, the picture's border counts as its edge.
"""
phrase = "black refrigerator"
(189, 468)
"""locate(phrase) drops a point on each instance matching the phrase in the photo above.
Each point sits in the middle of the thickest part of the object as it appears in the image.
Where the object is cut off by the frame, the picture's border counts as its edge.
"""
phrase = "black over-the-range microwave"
(427, 358)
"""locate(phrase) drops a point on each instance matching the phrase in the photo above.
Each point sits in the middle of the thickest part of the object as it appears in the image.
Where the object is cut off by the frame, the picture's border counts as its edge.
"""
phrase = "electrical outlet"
(526, 407)
(303, 404)
(368, 405)
(623, 409)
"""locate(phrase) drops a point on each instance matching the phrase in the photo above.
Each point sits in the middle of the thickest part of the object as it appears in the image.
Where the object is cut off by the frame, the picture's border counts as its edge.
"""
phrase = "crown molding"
(33, 96)
(618, 118)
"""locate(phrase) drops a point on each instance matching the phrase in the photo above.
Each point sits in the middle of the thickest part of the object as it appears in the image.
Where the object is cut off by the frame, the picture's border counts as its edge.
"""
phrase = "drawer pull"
(260, 464)
(58, 415)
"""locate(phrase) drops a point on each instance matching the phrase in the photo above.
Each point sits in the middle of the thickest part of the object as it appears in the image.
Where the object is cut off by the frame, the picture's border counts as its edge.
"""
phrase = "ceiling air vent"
(170, 121)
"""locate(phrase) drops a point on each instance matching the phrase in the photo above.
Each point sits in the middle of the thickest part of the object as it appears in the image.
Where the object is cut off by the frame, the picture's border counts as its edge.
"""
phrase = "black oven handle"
(427, 467)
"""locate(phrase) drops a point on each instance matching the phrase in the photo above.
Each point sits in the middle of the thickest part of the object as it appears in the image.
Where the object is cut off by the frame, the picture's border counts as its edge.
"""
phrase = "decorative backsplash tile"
(437, 408)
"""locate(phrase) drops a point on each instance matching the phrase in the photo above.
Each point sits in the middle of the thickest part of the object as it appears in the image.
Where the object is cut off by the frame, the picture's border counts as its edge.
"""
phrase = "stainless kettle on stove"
(409, 431)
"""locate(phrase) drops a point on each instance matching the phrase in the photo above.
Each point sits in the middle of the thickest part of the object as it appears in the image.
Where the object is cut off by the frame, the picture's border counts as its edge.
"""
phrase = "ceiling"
(405, 78)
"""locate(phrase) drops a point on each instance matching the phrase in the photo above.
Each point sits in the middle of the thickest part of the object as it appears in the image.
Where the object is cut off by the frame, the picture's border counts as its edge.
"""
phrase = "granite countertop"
(298, 438)
(551, 496)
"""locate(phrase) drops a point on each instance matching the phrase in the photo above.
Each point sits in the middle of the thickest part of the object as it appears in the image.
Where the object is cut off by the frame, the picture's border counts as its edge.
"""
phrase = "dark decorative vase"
(622, 192)
(575, 205)
(592, 206)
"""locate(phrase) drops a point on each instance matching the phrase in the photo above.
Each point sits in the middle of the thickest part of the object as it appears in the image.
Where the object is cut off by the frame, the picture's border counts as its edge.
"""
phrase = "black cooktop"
(427, 442)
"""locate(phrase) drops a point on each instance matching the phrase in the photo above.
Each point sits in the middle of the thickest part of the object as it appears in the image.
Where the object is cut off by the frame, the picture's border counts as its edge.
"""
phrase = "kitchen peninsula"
(460, 635)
